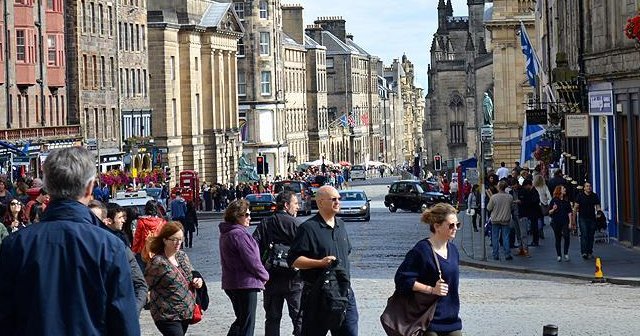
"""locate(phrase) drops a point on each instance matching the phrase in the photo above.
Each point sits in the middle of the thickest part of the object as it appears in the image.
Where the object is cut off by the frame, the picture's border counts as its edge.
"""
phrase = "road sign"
(21, 161)
(486, 133)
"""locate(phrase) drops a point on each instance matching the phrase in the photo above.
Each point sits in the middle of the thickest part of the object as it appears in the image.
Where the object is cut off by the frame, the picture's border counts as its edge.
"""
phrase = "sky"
(387, 29)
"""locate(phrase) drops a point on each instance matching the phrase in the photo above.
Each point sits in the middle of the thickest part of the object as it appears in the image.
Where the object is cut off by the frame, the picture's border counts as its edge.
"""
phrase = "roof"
(357, 48)
(286, 39)
(334, 45)
(310, 43)
(214, 14)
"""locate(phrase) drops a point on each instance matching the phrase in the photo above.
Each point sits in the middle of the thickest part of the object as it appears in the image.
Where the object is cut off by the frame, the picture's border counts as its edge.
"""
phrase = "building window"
(110, 14)
(84, 17)
(122, 82)
(125, 40)
(85, 72)
(127, 82)
(112, 71)
(21, 54)
(265, 83)
(133, 38)
(456, 133)
(239, 7)
(174, 115)
(101, 18)
(144, 83)
(197, 114)
(196, 64)
(142, 37)
(172, 67)
(329, 63)
(241, 51)
(120, 35)
(264, 43)
(264, 10)
(138, 77)
(93, 17)
(242, 83)
(52, 51)
(136, 39)
(95, 71)
(103, 72)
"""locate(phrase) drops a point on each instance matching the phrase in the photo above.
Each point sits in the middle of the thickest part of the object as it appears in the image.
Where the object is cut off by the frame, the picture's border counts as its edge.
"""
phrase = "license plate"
(258, 208)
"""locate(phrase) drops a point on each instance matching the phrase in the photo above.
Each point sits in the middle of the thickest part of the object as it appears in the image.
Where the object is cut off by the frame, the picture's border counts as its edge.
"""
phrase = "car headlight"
(364, 207)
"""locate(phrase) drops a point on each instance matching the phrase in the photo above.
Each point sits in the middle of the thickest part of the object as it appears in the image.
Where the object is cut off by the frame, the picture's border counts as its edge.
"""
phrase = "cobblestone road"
(493, 303)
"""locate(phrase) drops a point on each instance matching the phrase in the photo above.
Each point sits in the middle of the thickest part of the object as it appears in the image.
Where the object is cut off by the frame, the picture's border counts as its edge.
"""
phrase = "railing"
(40, 132)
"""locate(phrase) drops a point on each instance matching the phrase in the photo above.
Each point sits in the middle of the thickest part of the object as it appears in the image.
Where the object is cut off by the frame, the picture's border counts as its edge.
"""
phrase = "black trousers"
(311, 327)
(244, 302)
(188, 238)
(172, 328)
(561, 231)
(281, 288)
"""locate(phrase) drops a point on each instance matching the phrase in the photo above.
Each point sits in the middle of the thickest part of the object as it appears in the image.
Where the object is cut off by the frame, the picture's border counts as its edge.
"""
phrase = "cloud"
(387, 29)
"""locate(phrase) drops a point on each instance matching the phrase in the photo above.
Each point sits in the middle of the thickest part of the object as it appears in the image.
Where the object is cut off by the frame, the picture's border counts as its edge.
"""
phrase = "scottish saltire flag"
(531, 135)
(343, 120)
(531, 58)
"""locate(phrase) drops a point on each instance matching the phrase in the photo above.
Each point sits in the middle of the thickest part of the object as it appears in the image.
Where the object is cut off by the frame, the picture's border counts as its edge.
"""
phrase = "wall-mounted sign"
(576, 125)
(536, 116)
(601, 102)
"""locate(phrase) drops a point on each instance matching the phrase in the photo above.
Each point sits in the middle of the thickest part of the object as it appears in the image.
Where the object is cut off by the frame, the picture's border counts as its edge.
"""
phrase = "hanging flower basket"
(544, 154)
(632, 29)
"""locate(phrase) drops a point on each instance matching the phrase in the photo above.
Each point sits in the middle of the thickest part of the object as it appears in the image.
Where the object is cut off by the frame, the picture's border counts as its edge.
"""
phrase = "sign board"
(536, 116)
(473, 176)
(576, 125)
(486, 133)
(21, 161)
(92, 144)
(601, 102)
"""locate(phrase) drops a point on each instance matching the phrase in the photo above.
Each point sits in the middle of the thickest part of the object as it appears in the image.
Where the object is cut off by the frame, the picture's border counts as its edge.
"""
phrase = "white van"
(358, 172)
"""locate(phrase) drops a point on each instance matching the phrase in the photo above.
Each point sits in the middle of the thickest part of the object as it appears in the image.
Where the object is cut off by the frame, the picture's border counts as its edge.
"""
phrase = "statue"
(487, 108)
(246, 171)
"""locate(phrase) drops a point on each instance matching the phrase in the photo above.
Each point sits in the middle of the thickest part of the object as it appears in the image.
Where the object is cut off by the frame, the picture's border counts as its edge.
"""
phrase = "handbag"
(410, 314)
(197, 310)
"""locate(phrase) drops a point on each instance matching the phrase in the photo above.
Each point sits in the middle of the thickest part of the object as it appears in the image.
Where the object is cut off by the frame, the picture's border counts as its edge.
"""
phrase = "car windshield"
(429, 187)
(352, 196)
(260, 198)
(358, 168)
(290, 186)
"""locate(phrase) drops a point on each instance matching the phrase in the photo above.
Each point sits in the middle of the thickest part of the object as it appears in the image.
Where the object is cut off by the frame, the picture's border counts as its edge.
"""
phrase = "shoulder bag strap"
(435, 257)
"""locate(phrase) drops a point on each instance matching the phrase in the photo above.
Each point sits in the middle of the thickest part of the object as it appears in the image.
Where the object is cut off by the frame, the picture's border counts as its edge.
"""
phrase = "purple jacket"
(240, 259)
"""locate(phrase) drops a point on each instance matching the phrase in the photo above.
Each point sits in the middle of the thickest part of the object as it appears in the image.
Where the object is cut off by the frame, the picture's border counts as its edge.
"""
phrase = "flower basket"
(632, 29)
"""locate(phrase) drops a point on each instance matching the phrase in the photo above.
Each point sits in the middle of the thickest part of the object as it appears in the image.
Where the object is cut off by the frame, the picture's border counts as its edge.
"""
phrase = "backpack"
(275, 259)
(329, 297)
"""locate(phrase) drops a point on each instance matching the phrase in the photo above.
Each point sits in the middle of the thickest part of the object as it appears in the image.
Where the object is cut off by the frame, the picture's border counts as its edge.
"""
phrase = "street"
(492, 302)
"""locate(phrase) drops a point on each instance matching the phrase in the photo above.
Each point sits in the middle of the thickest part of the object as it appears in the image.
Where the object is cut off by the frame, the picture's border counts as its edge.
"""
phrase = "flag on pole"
(531, 135)
(351, 121)
(531, 58)
(343, 120)
(365, 118)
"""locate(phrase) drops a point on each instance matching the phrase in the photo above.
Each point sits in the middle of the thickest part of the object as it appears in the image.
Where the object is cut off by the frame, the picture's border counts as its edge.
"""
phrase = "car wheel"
(423, 207)
(392, 207)
(368, 217)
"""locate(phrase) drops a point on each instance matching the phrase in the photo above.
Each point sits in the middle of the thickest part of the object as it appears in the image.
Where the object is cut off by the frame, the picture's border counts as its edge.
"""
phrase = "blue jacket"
(66, 276)
(178, 209)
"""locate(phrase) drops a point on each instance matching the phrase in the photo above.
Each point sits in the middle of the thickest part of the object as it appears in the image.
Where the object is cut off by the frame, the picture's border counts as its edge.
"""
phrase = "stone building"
(194, 86)
(317, 116)
(394, 114)
(413, 101)
(460, 72)
(33, 83)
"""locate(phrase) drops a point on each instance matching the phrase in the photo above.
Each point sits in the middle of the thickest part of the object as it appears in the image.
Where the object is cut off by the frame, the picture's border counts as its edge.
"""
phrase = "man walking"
(66, 275)
(587, 204)
(178, 208)
(320, 242)
(529, 207)
(503, 171)
(283, 284)
(500, 207)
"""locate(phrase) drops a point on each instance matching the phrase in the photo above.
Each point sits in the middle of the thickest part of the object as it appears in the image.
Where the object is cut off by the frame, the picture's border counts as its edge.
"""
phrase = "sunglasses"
(457, 226)
(334, 199)
(248, 214)
(15, 203)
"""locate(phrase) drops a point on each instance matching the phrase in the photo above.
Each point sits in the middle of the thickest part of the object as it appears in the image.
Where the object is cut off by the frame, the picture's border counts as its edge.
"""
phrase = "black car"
(414, 195)
(261, 205)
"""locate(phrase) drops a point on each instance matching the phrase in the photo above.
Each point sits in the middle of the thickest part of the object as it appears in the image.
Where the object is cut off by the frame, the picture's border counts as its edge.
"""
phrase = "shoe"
(559, 258)
(584, 256)
(566, 257)
(522, 252)
(508, 257)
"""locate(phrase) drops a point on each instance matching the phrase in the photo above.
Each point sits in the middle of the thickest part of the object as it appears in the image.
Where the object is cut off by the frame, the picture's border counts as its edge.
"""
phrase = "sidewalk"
(620, 265)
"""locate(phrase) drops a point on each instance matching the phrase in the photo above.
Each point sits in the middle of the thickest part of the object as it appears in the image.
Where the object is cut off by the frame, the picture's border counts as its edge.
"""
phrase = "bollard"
(550, 330)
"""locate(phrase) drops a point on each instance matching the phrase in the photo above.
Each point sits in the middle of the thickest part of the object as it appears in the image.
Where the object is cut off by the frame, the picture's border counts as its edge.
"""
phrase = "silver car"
(354, 204)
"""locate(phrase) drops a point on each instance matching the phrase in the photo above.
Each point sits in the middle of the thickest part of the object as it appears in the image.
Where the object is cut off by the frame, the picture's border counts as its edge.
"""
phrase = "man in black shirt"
(283, 284)
(587, 204)
(319, 242)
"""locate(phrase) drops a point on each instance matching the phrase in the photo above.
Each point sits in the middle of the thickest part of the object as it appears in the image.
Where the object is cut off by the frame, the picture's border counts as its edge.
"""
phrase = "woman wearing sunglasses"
(170, 281)
(243, 274)
(420, 273)
(14, 218)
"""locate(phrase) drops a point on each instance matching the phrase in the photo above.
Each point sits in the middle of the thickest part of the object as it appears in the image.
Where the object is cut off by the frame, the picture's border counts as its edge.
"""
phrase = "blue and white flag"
(531, 58)
(343, 120)
(531, 135)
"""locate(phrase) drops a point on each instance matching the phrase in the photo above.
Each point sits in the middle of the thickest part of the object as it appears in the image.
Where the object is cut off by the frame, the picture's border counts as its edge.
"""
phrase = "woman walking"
(545, 198)
(190, 224)
(419, 271)
(14, 219)
(561, 214)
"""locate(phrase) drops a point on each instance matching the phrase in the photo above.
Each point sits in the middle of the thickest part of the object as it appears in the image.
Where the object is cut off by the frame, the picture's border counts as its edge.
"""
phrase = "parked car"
(354, 204)
(358, 172)
(133, 199)
(261, 205)
(414, 195)
(302, 190)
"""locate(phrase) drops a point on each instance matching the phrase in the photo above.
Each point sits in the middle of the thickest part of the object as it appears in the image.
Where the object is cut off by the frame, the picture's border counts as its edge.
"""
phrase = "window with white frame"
(264, 9)
(21, 42)
(239, 7)
(241, 51)
(242, 83)
(52, 50)
(264, 43)
(265, 83)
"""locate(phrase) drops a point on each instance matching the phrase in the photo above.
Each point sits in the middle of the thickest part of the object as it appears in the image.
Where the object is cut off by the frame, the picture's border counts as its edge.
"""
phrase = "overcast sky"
(387, 29)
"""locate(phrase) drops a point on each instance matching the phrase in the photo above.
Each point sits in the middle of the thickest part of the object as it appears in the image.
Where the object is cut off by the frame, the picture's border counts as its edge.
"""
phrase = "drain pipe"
(39, 24)
(6, 65)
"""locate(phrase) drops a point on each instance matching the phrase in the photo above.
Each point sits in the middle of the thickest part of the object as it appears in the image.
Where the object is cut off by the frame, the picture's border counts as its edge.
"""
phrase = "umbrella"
(344, 163)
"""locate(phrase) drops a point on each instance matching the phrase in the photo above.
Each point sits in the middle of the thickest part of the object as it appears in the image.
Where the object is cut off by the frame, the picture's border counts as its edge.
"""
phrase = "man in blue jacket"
(66, 275)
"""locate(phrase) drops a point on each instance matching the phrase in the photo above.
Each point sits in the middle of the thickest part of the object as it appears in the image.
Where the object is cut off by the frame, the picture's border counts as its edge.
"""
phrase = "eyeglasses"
(175, 240)
(457, 226)
(333, 199)
(248, 214)
(15, 203)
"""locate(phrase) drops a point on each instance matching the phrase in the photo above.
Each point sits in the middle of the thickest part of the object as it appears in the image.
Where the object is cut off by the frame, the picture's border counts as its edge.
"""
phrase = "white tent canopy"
(318, 162)
(370, 163)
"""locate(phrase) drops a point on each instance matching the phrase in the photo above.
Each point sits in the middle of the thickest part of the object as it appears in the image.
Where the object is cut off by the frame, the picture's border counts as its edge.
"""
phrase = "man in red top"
(35, 208)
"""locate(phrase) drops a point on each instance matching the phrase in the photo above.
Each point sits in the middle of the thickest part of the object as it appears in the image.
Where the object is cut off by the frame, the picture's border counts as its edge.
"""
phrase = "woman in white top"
(545, 199)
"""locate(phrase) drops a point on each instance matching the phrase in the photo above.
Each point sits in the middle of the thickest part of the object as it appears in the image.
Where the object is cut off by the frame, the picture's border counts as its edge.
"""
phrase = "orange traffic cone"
(599, 276)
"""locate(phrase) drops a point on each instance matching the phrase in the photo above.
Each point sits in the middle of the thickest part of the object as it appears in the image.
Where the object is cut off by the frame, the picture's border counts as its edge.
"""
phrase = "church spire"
(449, 8)
(442, 16)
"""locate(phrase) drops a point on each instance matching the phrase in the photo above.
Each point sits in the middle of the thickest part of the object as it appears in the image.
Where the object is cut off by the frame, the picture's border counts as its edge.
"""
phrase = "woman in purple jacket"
(243, 274)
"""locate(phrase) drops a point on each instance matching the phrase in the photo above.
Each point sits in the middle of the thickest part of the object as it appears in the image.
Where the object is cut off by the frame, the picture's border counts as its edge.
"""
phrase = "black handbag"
(410, 314)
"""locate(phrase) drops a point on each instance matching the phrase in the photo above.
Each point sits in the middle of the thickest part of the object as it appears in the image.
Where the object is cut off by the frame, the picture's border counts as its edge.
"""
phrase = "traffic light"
(260, 165)
(437, 162)
(167, 174)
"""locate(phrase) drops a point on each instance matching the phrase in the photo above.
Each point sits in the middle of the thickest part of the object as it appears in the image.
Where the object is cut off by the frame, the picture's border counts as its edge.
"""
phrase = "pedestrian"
(170, 280)
(178, 209)
(147, 226)
(545, 199)
(190, 224)
(503, 171)
(500, 207)
(381, 169)
(561, 220)
(243, 274)
(283, 284)
(473, 203)
(453, 188)
(319, 242)
(35, 208)
(14, 218)
(420, 273)
(80, 284)
(529, 207)
(519, 224)
(586, 205)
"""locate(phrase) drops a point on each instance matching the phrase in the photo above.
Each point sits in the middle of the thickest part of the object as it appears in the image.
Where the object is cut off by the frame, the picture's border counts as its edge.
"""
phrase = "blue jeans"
(587, 233)
(496, 231)
(348, 328)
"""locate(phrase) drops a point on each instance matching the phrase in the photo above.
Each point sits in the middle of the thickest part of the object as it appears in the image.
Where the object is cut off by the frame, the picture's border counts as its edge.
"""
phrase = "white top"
(502, 172)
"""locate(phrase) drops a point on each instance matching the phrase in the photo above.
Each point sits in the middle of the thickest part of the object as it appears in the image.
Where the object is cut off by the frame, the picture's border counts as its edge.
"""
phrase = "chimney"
(292, 22)
(315, 33)
(336, 25)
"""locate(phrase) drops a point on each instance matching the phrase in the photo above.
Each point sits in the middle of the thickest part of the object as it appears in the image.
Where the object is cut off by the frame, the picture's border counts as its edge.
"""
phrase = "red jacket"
(146, 225)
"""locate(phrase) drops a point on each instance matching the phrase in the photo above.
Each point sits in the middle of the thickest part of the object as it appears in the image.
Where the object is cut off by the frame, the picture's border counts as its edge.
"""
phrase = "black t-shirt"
(586, 205)
(316, 240)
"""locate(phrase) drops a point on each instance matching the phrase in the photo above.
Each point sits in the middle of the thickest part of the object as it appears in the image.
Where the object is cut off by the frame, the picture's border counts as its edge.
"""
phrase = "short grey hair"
(68, 171)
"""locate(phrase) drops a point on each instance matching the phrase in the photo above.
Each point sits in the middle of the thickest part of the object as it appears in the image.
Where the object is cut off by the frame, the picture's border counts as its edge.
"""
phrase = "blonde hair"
(538, 181)
(437, 214)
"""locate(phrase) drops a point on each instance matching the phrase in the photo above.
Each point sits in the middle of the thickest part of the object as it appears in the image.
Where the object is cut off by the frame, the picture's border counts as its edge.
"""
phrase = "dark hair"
(156, 246)
(437, 214)
(284, 198)
(235, 210)
(502, 164)
(527, 182)
(113, 209)
(558, 172)
(151, 208)
(8, 216)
